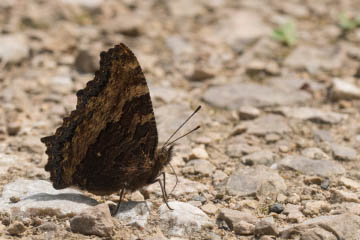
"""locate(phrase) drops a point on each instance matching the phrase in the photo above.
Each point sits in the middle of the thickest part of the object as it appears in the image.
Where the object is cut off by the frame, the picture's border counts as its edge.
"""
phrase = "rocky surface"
(33, 197)
(277, 154)
(93, 221)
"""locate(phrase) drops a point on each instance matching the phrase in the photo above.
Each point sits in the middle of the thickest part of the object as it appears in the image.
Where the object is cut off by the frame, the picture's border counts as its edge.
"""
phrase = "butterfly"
(109, 143)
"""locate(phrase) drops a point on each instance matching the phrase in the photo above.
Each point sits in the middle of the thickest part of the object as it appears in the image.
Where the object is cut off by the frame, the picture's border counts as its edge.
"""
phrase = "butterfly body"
(110, 141)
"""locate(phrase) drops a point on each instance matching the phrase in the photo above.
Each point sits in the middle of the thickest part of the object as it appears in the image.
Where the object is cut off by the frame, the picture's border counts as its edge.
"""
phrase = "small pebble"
(209, 208)
(14, 199)
(199, 198)
(248, 112)
(199, 153)
(16, 228)
(284, 149)
(325, 184)
(276, 208)
(48, 227)
(272, 137)
(13, 128)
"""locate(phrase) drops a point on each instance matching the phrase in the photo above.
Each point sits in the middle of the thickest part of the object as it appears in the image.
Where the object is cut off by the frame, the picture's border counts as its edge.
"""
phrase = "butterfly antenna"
(196, 110)
(182, 136)
(177, 180)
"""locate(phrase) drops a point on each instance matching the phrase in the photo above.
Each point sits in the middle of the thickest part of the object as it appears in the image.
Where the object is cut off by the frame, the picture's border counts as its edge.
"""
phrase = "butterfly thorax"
(162, 158)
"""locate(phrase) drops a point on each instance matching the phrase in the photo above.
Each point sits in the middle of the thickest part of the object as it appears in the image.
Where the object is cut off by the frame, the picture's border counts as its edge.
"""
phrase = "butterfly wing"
(111, 134)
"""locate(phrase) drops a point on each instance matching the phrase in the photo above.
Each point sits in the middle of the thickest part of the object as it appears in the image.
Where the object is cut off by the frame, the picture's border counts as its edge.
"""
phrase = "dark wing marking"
(112, 127)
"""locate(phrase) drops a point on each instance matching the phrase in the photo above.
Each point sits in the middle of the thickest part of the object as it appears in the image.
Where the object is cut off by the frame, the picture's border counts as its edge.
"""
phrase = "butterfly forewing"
(111, 137)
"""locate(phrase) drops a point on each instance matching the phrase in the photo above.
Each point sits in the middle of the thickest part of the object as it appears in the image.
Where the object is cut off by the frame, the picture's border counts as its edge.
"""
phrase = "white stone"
(134, 213)
(344, 90)
(13, 48)
(199, 153)
(39, 196)
(183, 220)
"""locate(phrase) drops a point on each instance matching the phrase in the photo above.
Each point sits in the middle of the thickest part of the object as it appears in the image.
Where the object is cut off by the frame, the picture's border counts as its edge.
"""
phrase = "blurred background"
(275, 78)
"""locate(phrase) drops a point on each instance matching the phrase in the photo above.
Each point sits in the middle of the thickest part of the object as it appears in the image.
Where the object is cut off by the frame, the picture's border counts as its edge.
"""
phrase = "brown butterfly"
(109, 143)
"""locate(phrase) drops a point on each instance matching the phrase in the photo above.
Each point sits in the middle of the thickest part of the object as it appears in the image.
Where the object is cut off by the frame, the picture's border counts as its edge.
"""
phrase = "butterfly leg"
(163, 193)
(120, 199)
(164, 180)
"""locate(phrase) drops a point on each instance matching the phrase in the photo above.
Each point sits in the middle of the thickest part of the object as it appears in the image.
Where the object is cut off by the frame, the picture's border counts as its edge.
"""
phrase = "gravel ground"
(276, 156)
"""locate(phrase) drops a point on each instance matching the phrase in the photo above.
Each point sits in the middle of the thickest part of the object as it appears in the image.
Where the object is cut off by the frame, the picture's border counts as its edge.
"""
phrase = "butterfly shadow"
(73, 197)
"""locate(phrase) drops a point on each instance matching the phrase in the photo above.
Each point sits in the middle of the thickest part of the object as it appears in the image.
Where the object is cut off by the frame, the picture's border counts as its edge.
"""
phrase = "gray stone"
(13, 48)
(134, 213)
(219, 176)
(346, 207)
(343, 153)
(258, 68)
(247, 181)
(314, 207)
(48, 227)
(344, 196)
(241, 25)
(266, 226)
(324, 168)
(240, 149)
(290, 84)
(179, 46)
(343, 226)
(349, 183)
(39, 197)
(170, 116)
(85, 62)
(202, 167)
(313, 114)
(240, 222)
(344, 90)
(322, 135)
(314, 59)
(268, 124)
(184, 220)
(234, 95)
(276, 208)
(315, 153)
(166, 94)
(264, 157)
(183, 187)
(325, 184)
(248, 112)
(93, 221)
